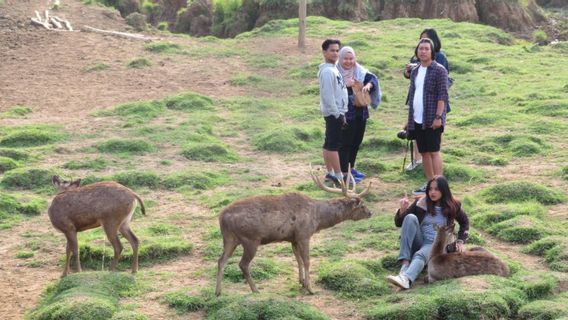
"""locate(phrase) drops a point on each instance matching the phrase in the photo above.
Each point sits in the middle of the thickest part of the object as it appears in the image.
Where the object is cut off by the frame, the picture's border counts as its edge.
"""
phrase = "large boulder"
(137, 21)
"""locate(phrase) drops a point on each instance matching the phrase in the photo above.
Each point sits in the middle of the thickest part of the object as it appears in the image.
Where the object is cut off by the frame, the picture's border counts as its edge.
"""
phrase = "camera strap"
(409, 146)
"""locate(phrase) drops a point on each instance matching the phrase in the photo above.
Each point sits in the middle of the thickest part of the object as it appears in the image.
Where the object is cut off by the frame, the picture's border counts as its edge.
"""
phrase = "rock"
(137, 21)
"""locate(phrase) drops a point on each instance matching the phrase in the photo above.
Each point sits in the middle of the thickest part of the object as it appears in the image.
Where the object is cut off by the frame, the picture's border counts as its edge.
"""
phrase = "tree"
(302, 24)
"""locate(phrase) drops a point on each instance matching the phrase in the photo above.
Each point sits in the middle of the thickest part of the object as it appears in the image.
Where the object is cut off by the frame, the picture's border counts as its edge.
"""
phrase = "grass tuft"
(521, 191)
(139, 63)
(131, 146)
(351, 279)
(29, 138)
(7, 164)
(188, 101)
(209, 152)
(16, 112)
(27, 179)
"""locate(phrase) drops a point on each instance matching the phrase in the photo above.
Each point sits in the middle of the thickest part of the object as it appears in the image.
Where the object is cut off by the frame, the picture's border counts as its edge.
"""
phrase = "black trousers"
(351, 138)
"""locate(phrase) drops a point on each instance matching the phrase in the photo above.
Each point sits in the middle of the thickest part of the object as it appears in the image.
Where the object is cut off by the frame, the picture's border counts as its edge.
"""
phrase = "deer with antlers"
(290, 217)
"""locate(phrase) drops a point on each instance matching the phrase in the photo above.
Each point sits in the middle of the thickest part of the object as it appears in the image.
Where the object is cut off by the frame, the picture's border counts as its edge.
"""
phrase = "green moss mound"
(183, 302)
(260, 269)
(134, 179)
(14, 154)
(525, 148)
(188, 101)
(28, 179)
(200, 180)
(545, 309)
(7, 164)
(351, 279)
(132, 146)
(521, 229)
(29, 138)
(153, 250)
(413, 307)
(521, 191)
(455, 172)
(209, 152)
(140, 109)
(85, 295)
(486, 216)
(280, 141)
(555, 251)
(10, 205)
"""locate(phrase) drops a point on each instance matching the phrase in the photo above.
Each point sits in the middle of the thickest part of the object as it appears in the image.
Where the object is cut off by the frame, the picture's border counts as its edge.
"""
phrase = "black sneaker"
(421, 190)
(332, 178)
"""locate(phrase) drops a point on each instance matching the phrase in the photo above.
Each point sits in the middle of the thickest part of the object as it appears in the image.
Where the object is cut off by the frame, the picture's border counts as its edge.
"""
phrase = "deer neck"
(330, 213)
(439, 243)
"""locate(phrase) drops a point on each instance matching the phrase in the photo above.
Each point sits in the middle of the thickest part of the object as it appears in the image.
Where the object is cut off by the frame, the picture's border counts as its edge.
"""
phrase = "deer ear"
(76, 183)
(55, 181)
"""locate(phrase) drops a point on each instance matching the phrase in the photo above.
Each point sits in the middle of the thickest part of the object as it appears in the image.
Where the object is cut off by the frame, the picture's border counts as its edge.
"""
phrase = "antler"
(349, 193)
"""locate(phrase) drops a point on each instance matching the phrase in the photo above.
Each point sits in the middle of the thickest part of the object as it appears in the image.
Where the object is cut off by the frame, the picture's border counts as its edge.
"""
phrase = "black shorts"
(427, 140)
(332, 133)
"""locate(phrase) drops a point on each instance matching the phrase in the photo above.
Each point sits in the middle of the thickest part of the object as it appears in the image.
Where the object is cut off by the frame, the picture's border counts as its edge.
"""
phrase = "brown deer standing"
(290, 217)
(475, 261)
(75, 209)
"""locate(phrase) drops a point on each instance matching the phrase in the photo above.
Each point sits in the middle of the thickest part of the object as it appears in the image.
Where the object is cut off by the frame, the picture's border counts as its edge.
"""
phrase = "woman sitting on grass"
(439, 207)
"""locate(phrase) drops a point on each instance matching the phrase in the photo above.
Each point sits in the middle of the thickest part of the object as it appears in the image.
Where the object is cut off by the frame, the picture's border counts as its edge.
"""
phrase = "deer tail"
(142, 208)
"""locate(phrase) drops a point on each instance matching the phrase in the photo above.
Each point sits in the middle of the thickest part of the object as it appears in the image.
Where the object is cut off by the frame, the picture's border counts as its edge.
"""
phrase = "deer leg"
(248, 254)
(112, 235)
(304, 250)
(300, 263)
(72, 248)
(134, 243)
(229, 246)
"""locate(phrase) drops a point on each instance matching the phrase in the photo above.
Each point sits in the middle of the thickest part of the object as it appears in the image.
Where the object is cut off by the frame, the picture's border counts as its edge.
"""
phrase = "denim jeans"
(413, 247)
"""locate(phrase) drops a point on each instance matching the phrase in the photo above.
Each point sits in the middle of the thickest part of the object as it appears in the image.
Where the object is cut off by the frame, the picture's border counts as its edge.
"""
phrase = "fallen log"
(134, 36)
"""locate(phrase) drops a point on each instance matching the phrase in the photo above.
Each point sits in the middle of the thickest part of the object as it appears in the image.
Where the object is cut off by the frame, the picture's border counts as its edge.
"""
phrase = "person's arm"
(463, 221)
(442, 86)
(327, 92)
(371, 82)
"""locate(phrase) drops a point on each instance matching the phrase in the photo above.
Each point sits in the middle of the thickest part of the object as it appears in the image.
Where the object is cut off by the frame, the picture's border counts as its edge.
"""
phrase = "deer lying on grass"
(290, 217)
(75, 209)
(475, 261)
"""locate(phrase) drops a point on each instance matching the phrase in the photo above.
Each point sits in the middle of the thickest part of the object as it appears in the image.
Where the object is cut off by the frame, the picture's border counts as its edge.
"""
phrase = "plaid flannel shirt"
(435, 89)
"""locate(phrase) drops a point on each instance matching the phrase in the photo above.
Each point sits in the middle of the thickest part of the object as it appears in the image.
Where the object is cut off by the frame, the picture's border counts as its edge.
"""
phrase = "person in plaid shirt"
(427, 98)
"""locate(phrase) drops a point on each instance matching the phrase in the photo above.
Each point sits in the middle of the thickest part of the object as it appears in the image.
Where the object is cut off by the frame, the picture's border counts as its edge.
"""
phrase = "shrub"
(521, 191)
(351, 279)
(139, 63)
(7, 164)
(137, 21)
(29, 138)
(28, 179)
(209, 152)
(132, 146)
(188, 102)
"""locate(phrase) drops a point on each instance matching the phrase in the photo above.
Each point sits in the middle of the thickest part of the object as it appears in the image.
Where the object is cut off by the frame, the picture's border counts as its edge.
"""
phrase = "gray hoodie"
(333, 92)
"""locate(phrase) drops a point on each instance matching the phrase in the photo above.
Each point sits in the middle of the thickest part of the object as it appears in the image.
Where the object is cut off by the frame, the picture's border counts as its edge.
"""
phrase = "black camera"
(402, 134)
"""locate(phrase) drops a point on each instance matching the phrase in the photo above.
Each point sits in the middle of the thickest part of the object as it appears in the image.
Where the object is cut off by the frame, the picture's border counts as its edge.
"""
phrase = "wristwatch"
(438, 116)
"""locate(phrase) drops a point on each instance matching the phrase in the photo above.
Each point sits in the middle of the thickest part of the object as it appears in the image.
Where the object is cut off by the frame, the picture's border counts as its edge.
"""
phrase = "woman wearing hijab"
(356, 117)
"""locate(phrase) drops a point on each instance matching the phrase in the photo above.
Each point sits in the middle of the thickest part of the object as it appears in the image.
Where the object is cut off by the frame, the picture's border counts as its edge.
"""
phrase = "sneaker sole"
(396, 283)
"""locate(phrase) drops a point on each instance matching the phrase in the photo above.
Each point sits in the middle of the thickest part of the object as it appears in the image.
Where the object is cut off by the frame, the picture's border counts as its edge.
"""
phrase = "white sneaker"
(400, 281)
(413, 165)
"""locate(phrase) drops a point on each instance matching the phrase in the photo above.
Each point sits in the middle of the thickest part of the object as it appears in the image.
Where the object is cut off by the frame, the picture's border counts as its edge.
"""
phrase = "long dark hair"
(433, 35)
(449, 205)
(428, 41)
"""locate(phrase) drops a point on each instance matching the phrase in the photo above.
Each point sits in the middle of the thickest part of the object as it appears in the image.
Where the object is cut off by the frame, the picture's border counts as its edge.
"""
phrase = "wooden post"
(302, 24)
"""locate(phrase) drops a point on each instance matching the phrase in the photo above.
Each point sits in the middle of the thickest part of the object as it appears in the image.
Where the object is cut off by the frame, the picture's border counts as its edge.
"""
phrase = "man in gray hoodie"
(333, 106)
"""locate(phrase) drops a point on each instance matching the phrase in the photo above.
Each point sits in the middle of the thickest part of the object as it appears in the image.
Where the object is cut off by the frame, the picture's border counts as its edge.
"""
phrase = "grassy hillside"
(190, 155)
